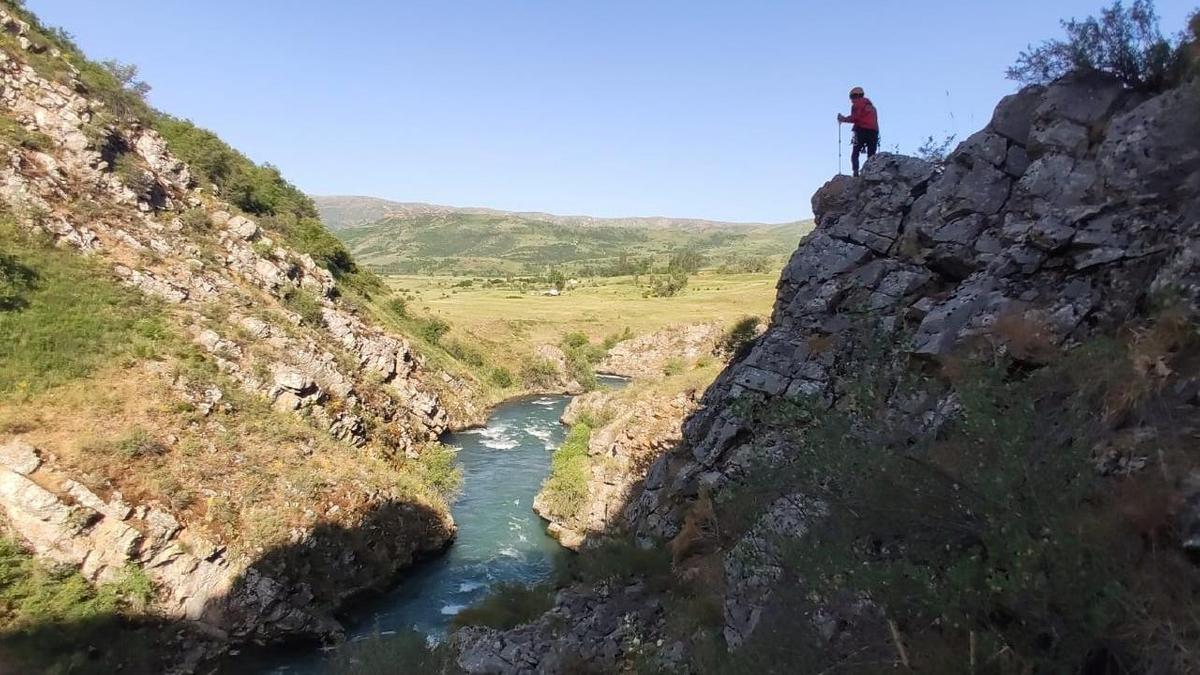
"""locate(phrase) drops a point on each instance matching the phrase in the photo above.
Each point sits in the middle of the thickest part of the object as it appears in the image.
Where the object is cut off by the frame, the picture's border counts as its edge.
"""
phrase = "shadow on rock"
(289, 593)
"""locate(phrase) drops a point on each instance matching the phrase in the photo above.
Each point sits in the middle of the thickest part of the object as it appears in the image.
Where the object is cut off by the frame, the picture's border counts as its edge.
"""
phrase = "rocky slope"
(636, 426)
(648, 355)
(229, 292)
(1065, 225)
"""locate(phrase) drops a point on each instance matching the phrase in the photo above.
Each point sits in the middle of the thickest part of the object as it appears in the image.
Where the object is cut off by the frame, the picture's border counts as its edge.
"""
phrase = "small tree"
(687, 261)
(1124, 42)
(126, 75)
(935, 151)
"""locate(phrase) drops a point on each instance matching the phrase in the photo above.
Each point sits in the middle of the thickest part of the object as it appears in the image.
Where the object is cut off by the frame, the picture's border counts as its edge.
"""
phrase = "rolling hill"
(414, 238)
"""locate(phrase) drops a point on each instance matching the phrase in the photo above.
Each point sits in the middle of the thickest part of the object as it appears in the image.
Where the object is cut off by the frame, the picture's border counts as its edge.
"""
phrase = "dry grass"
(699, 534)
(1026, 339)
(246, 475)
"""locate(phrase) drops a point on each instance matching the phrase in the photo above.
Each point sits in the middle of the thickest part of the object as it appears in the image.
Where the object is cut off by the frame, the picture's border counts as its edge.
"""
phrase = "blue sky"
(721, 110)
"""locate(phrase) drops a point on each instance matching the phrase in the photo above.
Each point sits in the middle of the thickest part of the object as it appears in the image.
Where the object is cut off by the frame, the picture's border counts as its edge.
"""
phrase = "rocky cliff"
(275, 465)
(633, 428)
(964, 364)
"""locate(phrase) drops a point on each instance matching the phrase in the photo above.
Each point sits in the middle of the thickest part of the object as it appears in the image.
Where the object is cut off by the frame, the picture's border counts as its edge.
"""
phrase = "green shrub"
(666, 285)
(14, 134)
(464, 352)
(432, 329)
(304, 303)
(538, 373)
(582, 357)
(134, 175)
(566, 489)
(16, 279)
(501, 377)
(195, 219)
(616, 559)
(575, 340)
(263, 250)
(440, 470)
(508, 605)
(685, 262)
(116, 85)
(740, 336)
(613, 339)
(674, 366)
(398, 307)
(261, 190)
(62, 316)
(1124, 42)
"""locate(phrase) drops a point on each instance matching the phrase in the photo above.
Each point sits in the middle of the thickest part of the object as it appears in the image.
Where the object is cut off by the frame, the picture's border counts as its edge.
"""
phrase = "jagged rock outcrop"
(1071, 236)
(559, 377)
(647, 355)
(1075, 208)
(595, 631)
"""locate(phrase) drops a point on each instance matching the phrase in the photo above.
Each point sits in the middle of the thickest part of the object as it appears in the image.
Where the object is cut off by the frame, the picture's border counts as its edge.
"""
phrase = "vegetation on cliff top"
(1124, 42)
(566, 489)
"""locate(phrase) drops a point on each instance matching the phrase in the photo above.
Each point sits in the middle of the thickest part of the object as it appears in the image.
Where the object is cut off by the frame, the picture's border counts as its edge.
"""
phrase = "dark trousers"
(863, 138)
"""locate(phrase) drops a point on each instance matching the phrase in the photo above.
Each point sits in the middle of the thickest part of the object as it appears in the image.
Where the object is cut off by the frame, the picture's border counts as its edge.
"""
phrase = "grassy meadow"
(506, 320)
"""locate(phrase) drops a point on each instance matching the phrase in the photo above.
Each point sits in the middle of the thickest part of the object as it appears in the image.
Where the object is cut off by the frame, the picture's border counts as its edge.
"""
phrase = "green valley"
(396, 238)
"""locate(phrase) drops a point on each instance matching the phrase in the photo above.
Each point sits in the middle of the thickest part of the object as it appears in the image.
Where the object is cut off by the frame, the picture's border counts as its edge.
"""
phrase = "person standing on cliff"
(866, 126)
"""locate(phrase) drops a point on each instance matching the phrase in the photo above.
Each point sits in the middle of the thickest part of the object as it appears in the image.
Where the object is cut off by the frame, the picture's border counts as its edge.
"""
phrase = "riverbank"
(500, 539)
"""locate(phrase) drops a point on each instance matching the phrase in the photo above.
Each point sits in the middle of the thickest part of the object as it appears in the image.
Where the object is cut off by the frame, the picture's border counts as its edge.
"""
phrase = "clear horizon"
(622, 109)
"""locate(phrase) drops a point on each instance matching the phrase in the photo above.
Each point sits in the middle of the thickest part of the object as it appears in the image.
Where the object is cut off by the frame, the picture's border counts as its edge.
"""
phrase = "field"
(507, 320)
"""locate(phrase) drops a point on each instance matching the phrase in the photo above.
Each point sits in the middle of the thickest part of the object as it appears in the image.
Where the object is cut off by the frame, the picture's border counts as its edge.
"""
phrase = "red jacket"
(862, 114)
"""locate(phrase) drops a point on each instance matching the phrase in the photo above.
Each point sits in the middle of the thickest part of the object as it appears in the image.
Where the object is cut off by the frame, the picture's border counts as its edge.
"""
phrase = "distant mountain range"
(342, 212)
(415, 238)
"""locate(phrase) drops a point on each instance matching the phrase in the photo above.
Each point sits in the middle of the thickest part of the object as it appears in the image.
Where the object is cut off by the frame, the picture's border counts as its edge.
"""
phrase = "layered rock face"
(642, 428)
(182, 246)
(1072, 205)
(1073, 209)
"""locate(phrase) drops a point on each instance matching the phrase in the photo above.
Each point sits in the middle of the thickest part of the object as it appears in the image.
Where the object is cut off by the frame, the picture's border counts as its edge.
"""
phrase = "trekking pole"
(839, 172)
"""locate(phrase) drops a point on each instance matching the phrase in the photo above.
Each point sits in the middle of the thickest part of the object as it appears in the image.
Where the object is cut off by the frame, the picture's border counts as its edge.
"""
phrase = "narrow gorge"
(949, 425)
